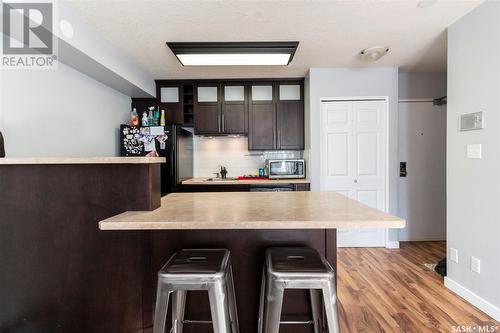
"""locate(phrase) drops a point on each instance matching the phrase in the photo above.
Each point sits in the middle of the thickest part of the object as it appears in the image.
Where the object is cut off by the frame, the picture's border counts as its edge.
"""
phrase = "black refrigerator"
(177, 148)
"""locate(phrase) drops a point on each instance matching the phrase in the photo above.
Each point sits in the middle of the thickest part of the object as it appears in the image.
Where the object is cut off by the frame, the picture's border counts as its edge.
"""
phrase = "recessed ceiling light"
(373, 53)
(234, 53)
(426, 3)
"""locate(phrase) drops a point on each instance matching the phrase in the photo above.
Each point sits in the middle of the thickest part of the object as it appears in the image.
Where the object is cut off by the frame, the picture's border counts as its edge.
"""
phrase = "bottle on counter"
(134, 118)
(145, 121)
(162, 118)
(157, 117)
(151, 118)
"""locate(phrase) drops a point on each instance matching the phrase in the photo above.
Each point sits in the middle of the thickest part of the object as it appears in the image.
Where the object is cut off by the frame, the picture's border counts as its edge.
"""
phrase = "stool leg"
(178, 309)
(316, 309)
(219, 306)
(162, 295)
(274, 301)
(261, 301)
(330, 300)
(233, 309)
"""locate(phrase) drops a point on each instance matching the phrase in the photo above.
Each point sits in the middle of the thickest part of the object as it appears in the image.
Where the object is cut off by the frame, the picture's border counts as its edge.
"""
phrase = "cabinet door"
(290, 125)
(206, 109)
(234, 109)
(262, 118)
(290, 117)
(170, 100)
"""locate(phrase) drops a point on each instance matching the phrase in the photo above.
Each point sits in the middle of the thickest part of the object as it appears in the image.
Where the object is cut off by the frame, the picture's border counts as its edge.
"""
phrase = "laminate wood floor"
(389, 290)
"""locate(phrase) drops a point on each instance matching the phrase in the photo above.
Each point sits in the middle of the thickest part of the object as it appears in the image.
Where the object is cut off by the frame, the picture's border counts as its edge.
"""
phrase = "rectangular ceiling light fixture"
(234, 53)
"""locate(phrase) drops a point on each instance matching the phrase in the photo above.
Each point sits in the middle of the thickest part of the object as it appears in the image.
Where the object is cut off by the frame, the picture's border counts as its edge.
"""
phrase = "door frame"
(388, 242)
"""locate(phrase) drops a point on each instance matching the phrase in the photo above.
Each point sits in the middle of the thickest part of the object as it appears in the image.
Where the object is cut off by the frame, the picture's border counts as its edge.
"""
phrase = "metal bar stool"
(297, 268)
(197, 269)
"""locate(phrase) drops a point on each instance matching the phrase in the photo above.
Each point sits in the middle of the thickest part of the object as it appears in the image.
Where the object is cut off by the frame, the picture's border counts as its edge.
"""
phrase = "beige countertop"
(204, 181)
(255, 210)
(80, 160)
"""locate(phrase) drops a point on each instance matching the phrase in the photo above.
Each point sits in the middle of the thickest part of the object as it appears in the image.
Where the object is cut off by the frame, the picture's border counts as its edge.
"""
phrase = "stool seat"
(197, 261)
(197, 269)
(297, 268)
(296, 260)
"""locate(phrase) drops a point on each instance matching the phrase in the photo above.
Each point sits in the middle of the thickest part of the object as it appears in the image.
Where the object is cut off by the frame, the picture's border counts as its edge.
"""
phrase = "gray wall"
(473, 185)
(421, 85)
(59, 113)
(422, 144)
(343, 82)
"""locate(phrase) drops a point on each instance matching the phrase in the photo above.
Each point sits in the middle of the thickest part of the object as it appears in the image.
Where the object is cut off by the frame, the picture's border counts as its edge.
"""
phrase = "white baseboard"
(479, 302)
(392, 245)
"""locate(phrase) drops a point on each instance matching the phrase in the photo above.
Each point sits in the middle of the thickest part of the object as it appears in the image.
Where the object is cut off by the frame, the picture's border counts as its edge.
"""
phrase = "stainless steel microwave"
(293, 168)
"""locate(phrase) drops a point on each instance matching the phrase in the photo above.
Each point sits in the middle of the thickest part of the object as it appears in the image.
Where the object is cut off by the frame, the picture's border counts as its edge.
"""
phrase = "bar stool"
(297, 268)
(197, 269)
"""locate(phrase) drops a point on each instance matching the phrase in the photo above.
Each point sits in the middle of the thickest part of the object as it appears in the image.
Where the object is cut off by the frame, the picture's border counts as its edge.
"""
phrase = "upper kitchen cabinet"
(262, 117)
(220, 108)
(170, 99)
(276, 116)
(290, 116)
(234, 115)
(207, 117)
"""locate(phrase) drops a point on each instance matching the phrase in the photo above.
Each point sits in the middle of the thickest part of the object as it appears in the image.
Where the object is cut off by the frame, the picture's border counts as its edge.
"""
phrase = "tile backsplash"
(211, 153)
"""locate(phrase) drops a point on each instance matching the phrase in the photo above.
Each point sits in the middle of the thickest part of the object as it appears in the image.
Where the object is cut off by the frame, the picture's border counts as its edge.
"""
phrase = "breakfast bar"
(247, 223)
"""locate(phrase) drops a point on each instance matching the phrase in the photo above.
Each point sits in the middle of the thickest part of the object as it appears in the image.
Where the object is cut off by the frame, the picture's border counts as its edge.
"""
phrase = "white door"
(353, 160)
(422, 193)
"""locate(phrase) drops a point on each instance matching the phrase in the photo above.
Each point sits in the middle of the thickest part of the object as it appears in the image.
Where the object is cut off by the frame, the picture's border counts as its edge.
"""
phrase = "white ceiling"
(331, 33)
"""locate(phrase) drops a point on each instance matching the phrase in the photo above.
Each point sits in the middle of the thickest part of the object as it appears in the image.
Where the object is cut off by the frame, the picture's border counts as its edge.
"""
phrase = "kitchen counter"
(255, 210)
(204, 181)
(80, 160)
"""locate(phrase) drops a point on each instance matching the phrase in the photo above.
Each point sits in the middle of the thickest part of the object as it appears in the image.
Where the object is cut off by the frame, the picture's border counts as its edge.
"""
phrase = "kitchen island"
(246, 224)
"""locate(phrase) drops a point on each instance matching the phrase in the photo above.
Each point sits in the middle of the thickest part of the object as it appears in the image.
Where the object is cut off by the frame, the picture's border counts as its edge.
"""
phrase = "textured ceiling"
(331, 33)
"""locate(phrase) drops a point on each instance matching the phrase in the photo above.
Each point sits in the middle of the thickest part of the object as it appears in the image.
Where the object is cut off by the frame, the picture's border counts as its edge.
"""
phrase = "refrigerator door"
(179, 154)
(184, 156)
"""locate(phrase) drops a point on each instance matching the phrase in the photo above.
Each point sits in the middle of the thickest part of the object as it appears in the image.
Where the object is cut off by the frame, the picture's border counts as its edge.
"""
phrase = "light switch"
(475, 265)
(474, 150)
(454, 255)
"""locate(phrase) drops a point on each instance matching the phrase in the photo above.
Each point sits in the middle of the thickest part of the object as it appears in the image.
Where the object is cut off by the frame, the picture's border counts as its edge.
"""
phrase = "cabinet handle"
(223, 123)
(218, 123)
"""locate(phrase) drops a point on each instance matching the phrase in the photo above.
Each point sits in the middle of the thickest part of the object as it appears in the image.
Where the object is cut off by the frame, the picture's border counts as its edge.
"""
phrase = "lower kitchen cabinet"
(245, 188)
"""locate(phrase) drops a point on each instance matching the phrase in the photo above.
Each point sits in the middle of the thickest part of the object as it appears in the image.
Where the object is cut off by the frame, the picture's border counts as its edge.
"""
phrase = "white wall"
(343, 82)
(59, 113)
(233, 153)
(473, 185)
(210, 154)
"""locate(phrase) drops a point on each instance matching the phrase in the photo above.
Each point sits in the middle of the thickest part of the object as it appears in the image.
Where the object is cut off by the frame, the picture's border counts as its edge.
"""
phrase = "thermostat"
(471, 121)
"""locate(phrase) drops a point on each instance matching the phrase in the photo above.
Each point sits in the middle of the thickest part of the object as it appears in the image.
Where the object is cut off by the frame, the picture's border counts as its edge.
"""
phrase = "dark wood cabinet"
(277, 124)
(220, 108)
(262, 124)
(207, 118)
(269, 111)
(234, 110)
(170, 99)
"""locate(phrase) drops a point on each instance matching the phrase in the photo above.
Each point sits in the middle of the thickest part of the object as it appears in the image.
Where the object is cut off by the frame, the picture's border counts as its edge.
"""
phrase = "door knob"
(355, 180)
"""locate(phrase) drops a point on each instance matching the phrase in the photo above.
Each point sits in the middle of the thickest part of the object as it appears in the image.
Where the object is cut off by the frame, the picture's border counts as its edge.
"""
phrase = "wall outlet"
(454, 255)
(474, 150)
(475, 265)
